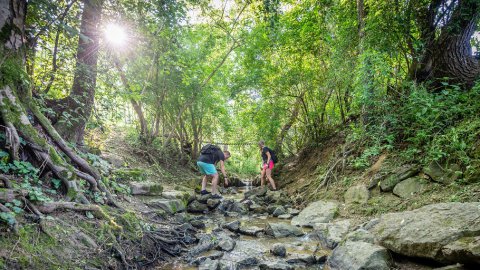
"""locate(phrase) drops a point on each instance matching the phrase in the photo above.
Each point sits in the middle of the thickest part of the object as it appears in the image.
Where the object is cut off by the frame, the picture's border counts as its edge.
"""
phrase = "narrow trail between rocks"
(249, 228)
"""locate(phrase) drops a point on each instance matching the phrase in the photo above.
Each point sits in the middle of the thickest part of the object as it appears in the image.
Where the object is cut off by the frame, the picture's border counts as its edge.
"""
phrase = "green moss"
(33, 249)
(137, 175)
(156, 189)
(54, 156)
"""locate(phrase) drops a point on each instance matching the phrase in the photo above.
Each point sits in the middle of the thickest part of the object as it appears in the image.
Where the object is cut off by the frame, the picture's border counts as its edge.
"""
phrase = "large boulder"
(445, 232)
(359, 256)
(410, 187)
(357, 194)
(146, 188)
(398, 176)
(279, 230)
(246, 254)
(171, 206)
(316, 212)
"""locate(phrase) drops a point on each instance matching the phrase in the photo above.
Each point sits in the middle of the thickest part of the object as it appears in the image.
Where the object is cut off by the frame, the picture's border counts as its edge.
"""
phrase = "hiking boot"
(204, 192)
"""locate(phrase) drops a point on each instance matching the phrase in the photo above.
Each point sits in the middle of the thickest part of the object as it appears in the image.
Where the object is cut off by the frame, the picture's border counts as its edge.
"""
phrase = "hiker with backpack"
(210, 155)
(269, 159)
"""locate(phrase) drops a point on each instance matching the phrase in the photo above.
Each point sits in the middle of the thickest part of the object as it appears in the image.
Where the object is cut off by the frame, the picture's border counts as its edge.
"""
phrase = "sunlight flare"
(115, 35)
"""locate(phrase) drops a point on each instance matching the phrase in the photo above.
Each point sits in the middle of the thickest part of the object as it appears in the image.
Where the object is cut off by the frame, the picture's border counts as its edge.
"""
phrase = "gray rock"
(285, 216)
(330, 234)
(293, 212)
(258, 192)
(146, 188)
(298, 258)
(316, 212)
(279, 230)
(170, 206)
(212, 203)
(206, 243)
(250, 230)
(360, 235)
(244, 255)
(233, 226)
(410, 187)
(357, 194)
(198, 224)
(359, 256)
(209, 264)
(238, 207)
(214, 255)
(279, 211)
(225, 205)
(197, 207)
(432, 232)
(278, 250)
(442, 173)
(398, 176)
(467, 247)
(275, 265)
(175, 194)
(226, 244)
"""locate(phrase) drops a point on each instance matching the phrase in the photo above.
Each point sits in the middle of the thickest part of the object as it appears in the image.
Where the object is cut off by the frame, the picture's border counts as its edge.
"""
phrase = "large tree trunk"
(78, 105)
(448, 56)
(22, 117)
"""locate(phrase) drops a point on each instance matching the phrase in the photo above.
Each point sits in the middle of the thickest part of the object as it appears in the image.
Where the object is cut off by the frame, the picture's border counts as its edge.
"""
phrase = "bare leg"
(269, 176)
(204, 183)
(262, 177)
(214, 183)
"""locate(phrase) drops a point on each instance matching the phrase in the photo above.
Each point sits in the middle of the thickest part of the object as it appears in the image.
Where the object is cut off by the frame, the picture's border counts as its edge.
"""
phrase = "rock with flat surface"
(209, 264)
(250, 230)
(233, 226)
(275, 265)
(170, 206)
(434, 231)
(279, 230)
(316, 212)
(146, 188)
(410, 187)
(359, 256)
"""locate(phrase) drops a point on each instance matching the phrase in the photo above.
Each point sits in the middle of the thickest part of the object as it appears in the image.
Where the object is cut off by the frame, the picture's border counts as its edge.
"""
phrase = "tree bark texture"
(448, 55)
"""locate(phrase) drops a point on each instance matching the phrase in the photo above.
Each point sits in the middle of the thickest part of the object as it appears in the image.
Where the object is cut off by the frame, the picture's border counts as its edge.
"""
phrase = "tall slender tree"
(75, 109)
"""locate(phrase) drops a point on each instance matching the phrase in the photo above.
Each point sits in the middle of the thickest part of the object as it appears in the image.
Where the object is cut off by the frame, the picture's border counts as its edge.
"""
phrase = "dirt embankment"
(328, 171)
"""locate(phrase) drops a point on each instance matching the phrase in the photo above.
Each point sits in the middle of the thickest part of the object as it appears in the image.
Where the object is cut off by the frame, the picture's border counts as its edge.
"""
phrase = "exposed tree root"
(50, 207)
(6, 179)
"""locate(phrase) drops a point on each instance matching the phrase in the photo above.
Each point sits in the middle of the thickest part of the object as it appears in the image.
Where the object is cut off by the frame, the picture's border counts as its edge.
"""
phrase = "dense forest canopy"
(178, 74)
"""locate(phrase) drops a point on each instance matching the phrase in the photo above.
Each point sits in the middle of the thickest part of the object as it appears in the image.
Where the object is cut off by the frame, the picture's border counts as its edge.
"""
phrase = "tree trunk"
(448, 56)
(135, 104)
(21, 116)
(78, 105)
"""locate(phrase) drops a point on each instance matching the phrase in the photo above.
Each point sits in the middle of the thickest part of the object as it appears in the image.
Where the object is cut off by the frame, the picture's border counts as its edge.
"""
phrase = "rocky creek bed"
(261, 229)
